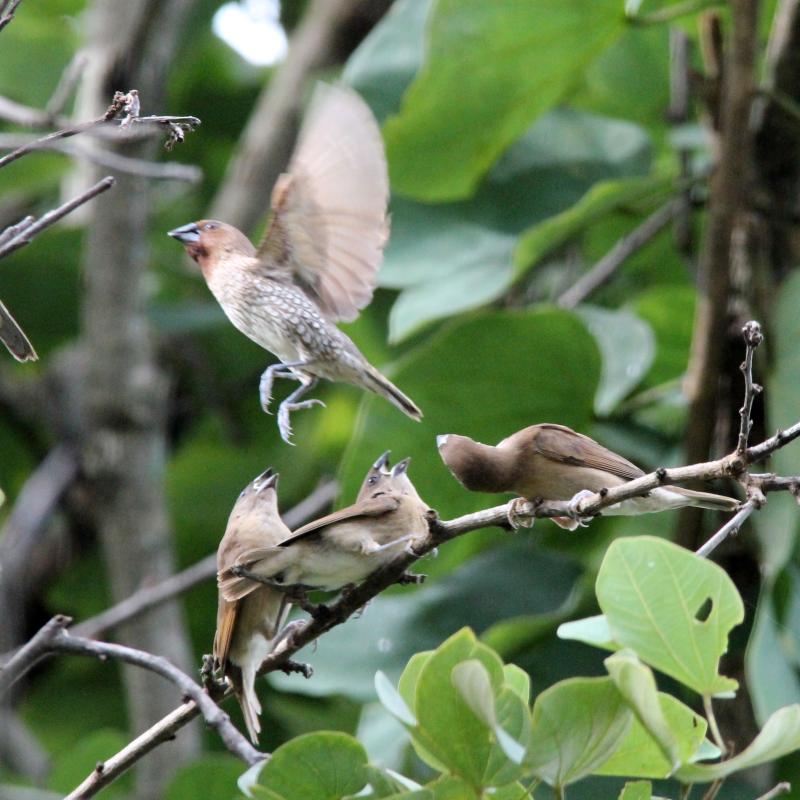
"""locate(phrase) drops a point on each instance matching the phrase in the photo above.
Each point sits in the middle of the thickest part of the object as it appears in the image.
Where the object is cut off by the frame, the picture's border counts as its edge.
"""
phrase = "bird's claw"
(411, 578)
(286, 408)
(519, 514)
(573, 506)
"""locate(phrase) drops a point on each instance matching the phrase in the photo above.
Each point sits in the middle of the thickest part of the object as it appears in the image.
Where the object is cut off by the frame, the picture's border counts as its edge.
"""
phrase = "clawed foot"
(411, 578)
(572, 509)
(289, 666)
(519, 514)
(285, 409)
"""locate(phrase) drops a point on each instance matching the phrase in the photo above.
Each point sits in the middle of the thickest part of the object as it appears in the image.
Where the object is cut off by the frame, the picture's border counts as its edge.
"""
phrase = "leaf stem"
(712, 724)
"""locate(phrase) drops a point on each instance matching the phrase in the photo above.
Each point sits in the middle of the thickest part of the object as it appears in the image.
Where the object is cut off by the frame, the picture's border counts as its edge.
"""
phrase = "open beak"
(383, 461)
(266, 480)
(400, 467)
(441, 440)
(186, 234)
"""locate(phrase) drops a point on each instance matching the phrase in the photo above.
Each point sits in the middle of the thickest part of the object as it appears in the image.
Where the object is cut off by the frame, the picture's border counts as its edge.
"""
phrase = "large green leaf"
(653, 594)
(315, 766)
(577, 725)
(779, 737)
(514, 368)
(636, 790)
(491, 68)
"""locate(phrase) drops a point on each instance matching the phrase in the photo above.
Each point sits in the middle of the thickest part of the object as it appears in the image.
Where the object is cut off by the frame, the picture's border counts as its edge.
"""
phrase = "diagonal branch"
(7, 9)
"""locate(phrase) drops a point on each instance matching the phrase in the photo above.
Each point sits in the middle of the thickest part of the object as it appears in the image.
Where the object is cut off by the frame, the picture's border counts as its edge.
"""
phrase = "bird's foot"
(284, 426)
(411, 578)
(574, 514)
(519, 514)
(241, 571)
(300, 667)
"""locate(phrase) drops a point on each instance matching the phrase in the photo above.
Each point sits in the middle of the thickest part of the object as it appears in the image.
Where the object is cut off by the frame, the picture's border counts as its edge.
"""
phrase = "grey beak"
(441, 439)
(400, 467)
(266, 480)
(186, 234)
(383, 461)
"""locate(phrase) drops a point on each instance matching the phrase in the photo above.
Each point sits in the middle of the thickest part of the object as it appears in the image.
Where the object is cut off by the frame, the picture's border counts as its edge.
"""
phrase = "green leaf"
(386, 783)
(407, 686)
(472, 681)
(591, 630)
(637, 685)
(555, 367)
(490, 70)
(652, 593)
(384, 737)
(215, 775)
(636, 790)
(518, 681)
(600, 200)
(316, 766)
(392, 701)
(779, 737)
(450, 787)
(639, 756)
(577, 724)
(628, 348)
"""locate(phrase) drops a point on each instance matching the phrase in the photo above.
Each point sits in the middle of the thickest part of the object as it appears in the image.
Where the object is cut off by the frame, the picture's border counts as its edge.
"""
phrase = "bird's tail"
(243, 682)
(385, 388)
(714, 502)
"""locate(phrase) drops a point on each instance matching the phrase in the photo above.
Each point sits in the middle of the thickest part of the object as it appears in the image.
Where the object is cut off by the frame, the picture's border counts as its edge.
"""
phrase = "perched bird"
(553, 462)
(14, 338)
(249, 624)
(318, 260)
(344, 547)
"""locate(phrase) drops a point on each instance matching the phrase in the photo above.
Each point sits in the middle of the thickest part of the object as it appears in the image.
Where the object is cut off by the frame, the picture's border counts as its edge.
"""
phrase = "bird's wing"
(373, 507)
(329, 223)
(226, 619)
(562, 444)
(14, 338)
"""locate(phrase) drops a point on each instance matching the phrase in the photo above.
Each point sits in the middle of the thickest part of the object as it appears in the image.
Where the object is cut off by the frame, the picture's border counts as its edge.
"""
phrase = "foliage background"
(485, 236)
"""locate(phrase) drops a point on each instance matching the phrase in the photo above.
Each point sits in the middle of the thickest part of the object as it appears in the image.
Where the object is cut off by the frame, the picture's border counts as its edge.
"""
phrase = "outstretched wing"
(329, 224)
(559, 443)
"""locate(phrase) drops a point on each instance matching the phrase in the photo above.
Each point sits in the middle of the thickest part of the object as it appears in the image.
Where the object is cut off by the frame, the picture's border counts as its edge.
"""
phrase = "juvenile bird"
(344, 547)
(553, 462)
(249, 622)
(14, 338)
(318, 261)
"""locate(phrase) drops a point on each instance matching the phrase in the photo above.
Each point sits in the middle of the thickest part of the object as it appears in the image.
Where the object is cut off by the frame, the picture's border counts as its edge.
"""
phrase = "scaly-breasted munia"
(553, 462)
(318, 260)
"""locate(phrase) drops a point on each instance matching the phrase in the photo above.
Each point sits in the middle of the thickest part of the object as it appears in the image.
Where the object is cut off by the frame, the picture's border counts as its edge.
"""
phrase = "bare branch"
(203, 570)
(622, 250)
(66, 85)
(782, 788)
(26, 234)
(53, 638)
(730, 528)
(752, 339)
(7, 9)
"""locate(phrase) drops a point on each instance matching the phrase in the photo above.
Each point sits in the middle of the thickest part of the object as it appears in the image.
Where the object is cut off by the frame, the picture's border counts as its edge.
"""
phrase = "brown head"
(259, 497)
(376, 478)
(479, 467)
(208, 242)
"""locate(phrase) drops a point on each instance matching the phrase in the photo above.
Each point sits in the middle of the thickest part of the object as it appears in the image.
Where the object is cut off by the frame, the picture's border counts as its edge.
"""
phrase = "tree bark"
(131, 45)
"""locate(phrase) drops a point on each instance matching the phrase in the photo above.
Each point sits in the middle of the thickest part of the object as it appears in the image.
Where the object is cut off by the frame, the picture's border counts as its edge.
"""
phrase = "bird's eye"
(210, 226)
(372, 480)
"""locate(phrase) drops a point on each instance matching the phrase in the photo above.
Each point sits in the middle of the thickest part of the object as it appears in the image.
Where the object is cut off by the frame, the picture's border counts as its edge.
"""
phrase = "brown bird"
(345, 547)
(14, 338)
(249, 624)
(318, 261)
(553, 462)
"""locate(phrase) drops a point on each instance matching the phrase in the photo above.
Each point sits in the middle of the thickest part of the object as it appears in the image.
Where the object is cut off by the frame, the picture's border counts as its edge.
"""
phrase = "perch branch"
(752, 338)
(25, 233)
(7, 9)
(54, 638)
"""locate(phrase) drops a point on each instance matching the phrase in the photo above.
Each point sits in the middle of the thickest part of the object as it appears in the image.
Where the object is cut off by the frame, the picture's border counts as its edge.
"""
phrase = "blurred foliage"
(524, 140)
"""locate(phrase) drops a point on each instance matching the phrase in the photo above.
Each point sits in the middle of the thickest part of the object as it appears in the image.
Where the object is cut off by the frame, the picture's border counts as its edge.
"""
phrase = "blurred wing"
(329, 223)
(373, 507)
(562, 444)
(14, 338)
(226, 619)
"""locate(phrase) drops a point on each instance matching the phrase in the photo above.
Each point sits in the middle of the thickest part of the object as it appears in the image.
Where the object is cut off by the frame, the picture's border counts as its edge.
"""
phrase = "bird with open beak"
(344, 547)
(249, 623)
(553, 462)
(319, 258)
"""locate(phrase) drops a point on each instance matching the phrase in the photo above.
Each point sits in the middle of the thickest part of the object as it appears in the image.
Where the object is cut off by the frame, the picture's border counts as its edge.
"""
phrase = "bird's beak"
(186, 234)
(383, 461)
(400, 467)
(441, 440)
(266, 480)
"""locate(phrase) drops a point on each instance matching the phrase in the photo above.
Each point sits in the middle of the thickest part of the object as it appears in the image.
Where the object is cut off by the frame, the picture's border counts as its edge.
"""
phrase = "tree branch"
(752, 338)
(7, 9)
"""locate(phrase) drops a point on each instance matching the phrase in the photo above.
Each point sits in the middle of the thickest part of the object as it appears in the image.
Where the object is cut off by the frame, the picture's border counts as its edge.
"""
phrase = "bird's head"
(470, 461)
(261, 493)
(208, 242)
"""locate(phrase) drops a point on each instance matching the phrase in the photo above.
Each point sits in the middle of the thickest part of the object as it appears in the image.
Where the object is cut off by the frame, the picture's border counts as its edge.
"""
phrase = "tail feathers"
(243, 682)
(714, 502)
(385, 388)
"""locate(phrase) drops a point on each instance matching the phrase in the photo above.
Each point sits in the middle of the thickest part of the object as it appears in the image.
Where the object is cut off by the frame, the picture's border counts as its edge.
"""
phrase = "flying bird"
(344, 547)
(553, 462)
(249, 626)
(318, 260)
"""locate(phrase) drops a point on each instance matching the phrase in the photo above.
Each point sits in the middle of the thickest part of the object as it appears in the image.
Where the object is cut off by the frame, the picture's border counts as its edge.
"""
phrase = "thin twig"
(622, 250)
(205, 569)
(27, 233)
(66, 85)
(752, 339)
(730, 528)
(712, 724)
(53, 638)
(7, 12)
(782, 788)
